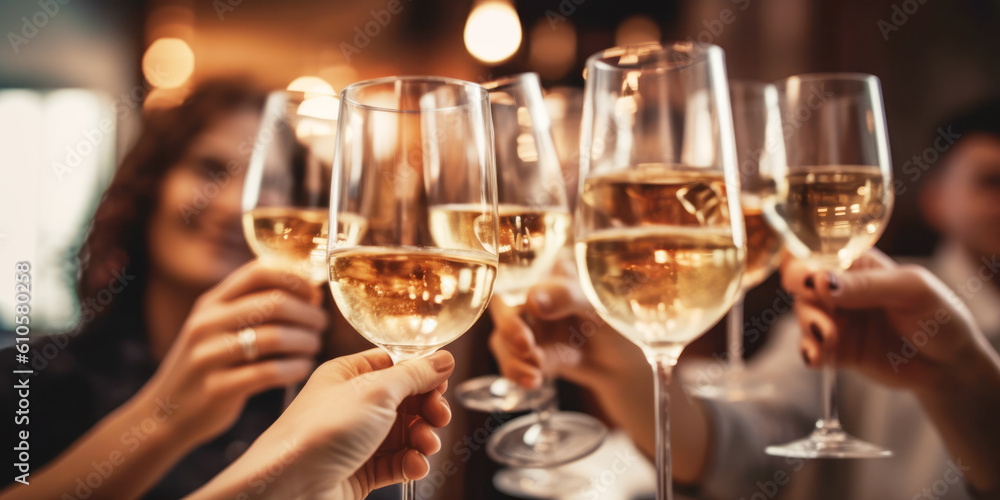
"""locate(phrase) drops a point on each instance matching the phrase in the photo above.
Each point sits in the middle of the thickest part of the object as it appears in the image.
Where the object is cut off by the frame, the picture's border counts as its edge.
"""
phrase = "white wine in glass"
(286, 191)
(831, 203)
(659, 229)
(410, 150)
(760, 152)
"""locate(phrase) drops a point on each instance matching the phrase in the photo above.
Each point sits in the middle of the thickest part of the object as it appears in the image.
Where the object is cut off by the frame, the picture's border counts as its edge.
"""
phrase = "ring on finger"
(247, 339)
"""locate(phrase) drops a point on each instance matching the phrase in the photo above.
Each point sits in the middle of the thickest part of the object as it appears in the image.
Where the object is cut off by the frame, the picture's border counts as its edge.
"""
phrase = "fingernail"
(816, 332)
(810, 282)
(805, 357)
(441, 361)
(832, 282)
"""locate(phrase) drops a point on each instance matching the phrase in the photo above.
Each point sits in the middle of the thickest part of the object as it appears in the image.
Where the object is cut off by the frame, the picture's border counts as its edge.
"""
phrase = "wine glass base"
(538, 483)
(492, 393)
(565, 437)
(730, 389)
(829, 444)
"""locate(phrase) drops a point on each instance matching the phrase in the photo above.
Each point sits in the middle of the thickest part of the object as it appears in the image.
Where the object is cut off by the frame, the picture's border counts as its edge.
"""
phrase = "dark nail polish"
(805, 357)
(816, 333)
(810, 283)
(831, 279)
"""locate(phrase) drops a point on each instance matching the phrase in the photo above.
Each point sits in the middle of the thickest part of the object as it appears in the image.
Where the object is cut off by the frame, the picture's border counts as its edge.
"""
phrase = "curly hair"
(118, 235)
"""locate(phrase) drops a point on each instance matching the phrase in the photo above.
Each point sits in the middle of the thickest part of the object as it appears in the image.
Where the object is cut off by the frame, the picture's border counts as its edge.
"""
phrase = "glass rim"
(847, 76)
(695, 51)
(347, 99)
(511, 80)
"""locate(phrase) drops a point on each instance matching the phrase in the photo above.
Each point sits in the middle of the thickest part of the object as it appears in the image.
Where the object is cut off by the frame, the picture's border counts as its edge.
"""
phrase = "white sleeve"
(741, 430)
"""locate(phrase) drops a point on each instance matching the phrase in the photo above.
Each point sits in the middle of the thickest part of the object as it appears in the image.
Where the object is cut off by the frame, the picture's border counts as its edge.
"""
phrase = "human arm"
(902, 327)
(335, 440)
(199, 389)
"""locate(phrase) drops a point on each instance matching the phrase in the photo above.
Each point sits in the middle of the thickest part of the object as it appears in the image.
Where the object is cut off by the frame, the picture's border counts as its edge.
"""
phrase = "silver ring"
(247, 338)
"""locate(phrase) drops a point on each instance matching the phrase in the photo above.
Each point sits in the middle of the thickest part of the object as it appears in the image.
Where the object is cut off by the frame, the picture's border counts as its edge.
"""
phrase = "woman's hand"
(558, 333)
(206, 377)
(901, 326)
(897, 324)
(335, 440)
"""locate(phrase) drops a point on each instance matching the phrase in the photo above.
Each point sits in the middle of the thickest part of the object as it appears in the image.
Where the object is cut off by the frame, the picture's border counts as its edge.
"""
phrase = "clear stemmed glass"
(534, 226)
(660, 238)
(414, 159)
(760, 148)
(286, 196)
(831, 203)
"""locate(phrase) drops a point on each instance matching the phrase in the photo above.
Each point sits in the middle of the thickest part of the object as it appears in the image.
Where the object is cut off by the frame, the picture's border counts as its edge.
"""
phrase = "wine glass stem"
(662, 368)
(734, 336)
(831, 421)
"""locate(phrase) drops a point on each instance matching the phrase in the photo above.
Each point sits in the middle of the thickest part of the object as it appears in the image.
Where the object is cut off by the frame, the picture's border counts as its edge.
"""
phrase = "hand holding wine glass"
(407, 149)
(832, 200)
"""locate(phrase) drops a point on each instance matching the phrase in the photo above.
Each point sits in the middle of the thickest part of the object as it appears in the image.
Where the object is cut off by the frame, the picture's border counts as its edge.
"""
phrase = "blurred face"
(967, 198)
(195, 234)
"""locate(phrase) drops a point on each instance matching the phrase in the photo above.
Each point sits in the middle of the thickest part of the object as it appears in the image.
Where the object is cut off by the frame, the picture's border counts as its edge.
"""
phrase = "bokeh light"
(168, 63)
(493, 32)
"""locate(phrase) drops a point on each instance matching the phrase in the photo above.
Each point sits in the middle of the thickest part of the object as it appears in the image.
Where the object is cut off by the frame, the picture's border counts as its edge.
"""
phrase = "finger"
(900, 288)
(557, 298)
(266, 306)
(422, 438)
(819, 333)
(269, 374)
(511, 328)
(388, 469)
(434, 408)
(797, 277)
(523, 370)
(271, 340)
(414, 376)
(256, 276)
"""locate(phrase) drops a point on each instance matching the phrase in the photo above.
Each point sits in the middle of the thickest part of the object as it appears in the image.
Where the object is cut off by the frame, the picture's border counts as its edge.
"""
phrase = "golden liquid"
(411, 301)
(764, 247)
(660, 286)
(659, 263)
(296, 238)
(831, 214)
(528, 244)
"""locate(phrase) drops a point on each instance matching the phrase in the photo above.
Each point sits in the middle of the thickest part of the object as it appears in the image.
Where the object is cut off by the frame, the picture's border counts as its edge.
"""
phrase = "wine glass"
(831, 203)
(415, 159)
(534, 226)
(760, 148)
(660, 238)
(286, 195)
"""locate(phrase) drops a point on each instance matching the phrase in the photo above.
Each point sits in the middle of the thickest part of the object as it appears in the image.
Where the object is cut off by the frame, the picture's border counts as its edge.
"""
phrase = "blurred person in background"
(935, 399)
(154, 393)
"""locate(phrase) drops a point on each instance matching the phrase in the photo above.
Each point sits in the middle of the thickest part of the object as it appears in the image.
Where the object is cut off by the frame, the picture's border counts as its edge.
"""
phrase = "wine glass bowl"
(286, 193)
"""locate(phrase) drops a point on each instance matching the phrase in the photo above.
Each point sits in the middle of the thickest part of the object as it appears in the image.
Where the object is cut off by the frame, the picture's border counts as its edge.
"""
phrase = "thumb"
(416, 376)
(903, 287)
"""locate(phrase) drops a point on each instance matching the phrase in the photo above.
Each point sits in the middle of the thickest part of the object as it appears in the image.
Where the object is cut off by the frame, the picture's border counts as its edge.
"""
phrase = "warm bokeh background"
(933, 57)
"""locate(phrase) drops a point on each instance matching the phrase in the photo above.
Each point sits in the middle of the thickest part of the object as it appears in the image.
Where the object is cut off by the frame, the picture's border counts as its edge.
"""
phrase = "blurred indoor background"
(76, 76)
